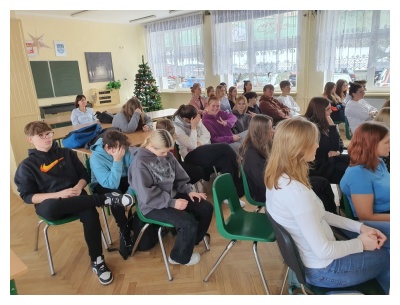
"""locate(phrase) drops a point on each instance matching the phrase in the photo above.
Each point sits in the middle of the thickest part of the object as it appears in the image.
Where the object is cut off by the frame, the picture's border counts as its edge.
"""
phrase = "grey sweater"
(242, 123)
(122, 122)
(156, 180)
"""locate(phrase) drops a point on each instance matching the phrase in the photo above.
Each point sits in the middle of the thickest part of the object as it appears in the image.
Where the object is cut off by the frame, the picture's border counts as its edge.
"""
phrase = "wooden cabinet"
(101, 97)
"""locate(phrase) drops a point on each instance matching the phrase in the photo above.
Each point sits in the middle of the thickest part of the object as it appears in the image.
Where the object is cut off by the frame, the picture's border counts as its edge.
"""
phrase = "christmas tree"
(145, 88)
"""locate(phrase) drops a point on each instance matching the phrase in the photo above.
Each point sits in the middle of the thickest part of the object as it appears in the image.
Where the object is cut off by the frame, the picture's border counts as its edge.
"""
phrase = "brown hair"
(362, 148)
(209, 88)
(383, 116)
(339, 86)
(36, 127)
(129, 108)
(194, 87)
(166, 124)
(244, 99)
(316, 112)
(78, 98)
(115, 138)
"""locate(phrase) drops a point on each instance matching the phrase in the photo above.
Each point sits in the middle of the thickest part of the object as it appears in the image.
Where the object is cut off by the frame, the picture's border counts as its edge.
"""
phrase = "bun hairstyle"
(354, 87)
(194, 87)
(160, 138)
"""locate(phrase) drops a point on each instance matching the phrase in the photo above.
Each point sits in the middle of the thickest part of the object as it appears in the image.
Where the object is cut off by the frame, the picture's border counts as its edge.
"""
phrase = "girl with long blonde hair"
(292, 203)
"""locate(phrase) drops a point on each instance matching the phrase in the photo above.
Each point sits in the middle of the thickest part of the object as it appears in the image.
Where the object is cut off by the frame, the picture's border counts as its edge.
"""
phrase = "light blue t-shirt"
(359, 180)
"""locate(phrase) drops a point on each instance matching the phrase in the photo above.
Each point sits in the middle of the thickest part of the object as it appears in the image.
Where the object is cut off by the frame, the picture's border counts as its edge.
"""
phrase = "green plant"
(114, 85)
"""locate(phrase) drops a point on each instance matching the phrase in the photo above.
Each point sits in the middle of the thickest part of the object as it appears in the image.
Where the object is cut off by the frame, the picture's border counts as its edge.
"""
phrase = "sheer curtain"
(254, 41)
(175, 46)
(357, 39)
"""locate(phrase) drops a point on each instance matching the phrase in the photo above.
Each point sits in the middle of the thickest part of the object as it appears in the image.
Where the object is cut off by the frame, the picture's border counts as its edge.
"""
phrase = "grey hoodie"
(156, 180)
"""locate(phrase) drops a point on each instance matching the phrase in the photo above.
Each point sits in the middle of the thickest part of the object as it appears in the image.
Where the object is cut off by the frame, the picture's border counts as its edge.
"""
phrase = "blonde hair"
(218, 89)
(384, 116)
(293, 138)
(160, 139)
(244, 99)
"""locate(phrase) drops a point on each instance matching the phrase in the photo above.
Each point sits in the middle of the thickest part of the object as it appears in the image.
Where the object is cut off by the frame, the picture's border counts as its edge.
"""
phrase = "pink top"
(195, 101)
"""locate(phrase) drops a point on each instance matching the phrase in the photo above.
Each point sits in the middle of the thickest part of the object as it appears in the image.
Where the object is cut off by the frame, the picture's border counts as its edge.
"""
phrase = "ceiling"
(121, 17)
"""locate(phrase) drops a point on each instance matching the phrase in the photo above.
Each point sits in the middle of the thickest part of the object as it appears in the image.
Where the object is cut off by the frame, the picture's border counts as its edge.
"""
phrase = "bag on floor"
(78, 138)
(150, 236)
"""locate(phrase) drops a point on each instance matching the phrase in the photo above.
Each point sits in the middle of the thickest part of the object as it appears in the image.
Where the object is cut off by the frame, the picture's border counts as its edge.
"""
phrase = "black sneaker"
(99, 267)
(116, 199)
(125, 244)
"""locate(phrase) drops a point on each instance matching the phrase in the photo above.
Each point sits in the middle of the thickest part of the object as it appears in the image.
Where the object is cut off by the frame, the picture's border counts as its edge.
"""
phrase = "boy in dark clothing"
(53, 178)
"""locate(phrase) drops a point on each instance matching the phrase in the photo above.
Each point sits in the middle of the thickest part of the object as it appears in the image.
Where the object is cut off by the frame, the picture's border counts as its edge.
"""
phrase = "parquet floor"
(142, 274)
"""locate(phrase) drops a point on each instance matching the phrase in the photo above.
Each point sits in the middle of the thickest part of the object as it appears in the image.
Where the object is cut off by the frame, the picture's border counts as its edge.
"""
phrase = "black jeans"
(191, 225)
(117, 211)
(84, 207)
(220, 155)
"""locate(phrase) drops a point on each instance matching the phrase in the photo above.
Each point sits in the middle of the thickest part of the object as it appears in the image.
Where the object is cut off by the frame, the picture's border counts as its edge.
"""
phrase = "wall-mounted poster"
(99, 66)
(30, 49)
(59, 48)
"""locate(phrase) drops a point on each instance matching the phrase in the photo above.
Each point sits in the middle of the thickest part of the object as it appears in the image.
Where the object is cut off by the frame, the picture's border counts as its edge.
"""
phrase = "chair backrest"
(247, 193)
(222, 190)
(288, 249)
(347, 208)
(349, 134)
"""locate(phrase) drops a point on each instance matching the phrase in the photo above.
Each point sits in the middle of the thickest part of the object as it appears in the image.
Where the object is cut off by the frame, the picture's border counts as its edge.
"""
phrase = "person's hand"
(222, 122)
(329, 119)
(195, 121)
(333, 153)
(374, 233)
(138, 110)
(118, 153)
(252, 114)
(372, 114)
(200, 196)
(370, 242)
(181, 204)
(236, 138)
(70, 192)
(146, 128)
(78, 189)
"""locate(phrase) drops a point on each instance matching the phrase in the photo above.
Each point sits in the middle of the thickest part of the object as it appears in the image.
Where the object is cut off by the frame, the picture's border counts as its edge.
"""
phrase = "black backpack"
(150, 236)
(104, 117)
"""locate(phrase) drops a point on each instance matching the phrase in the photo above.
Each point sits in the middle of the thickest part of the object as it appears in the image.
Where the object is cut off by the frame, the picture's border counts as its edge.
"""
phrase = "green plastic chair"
(292, 259)
(150, 221)
(349, 134)
(347, 208)
(240, 225)
(247, 194)
(46, 238)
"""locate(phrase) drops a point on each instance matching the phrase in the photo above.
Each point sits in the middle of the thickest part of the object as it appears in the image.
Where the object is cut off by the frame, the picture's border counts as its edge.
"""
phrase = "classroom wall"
(125, 42)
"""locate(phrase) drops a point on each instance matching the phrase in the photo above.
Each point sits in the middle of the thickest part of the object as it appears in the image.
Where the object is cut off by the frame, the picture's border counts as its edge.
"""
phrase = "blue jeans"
(191, 225)
(353, 269)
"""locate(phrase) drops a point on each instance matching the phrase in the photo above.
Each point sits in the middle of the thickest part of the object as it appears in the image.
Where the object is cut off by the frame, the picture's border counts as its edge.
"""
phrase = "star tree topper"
(38, 42)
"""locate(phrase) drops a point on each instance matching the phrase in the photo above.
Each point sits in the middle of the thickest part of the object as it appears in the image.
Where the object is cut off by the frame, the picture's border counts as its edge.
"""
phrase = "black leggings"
(84, 207)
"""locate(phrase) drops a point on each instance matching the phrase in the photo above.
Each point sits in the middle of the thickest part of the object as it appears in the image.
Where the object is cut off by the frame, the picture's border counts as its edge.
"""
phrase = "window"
(355, 45)
(175, 51)
(260, 46)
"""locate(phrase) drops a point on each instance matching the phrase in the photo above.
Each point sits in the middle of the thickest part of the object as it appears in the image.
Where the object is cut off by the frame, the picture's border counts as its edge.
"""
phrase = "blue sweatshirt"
(105, 171)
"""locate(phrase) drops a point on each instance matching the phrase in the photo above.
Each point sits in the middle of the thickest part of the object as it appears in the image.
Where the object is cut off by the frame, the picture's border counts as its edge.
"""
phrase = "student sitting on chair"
(271, 106)
(291, 202)
(82, 114)
(109, 164)
(252, 108)
(164, 194)
(132, 118)
(240, 112)
(287, 100)
(53, 179)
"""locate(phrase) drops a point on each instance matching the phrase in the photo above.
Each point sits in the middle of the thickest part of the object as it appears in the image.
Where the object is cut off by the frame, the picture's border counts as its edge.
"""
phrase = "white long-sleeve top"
(188, 143)
(357, 113)
(291, 103)
(300, 211)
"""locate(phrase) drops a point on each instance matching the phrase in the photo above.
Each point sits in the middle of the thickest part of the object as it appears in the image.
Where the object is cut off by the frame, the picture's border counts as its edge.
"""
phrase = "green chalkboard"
(42, 79)
(66, 78)
(56, 78)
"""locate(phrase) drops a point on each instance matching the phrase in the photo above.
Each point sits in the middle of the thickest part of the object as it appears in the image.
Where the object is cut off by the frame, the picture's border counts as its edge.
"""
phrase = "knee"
(90, 217)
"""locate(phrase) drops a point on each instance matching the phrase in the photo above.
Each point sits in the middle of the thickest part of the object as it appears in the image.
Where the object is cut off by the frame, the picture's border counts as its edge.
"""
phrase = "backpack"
(100, 135)
(104, 117)
(150, 236)
(78, 138)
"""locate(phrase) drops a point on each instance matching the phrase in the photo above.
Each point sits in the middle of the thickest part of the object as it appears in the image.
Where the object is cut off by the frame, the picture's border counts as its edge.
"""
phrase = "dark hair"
(354, 87)
(362, 82)
(284, 84)
(115, 138)
(222, 84)
(316, 113)
(129, 108)
(339, 85)
(268, 86)
(78, 98)
(186, 111)
(332, 97)
(249, 95)
(36, 127)
(245, 82)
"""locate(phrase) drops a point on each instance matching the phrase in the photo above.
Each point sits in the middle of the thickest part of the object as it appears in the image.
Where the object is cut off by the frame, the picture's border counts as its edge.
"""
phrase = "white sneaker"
(242, 203)
(193, 260)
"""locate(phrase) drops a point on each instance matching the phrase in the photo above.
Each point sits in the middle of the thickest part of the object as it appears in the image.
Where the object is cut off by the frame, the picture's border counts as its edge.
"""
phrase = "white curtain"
(175, 46)
(254, 41)
(356, 39)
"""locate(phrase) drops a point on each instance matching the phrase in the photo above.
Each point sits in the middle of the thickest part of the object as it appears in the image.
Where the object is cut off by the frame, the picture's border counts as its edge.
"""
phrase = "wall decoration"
(38, 42)
(99, 66)
(59, 48)
(30, 49)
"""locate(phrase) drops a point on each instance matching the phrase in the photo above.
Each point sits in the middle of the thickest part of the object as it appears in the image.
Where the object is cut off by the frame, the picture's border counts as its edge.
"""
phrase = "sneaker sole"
(101, 281)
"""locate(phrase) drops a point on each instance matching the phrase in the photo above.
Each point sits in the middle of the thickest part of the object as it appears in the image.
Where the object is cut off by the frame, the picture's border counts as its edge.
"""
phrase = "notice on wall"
(30, 49)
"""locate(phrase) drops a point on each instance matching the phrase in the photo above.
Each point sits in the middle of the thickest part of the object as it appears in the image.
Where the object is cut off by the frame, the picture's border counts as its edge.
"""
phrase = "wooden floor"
(142, 274)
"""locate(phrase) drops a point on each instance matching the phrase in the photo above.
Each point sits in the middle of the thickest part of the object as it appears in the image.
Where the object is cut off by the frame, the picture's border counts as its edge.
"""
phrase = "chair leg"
(103, 238)
(35, 246)
(48, 250)
(228, 247)
(139, 238)
(284, 281)
(260, 268)
(206, 241)
(164, 254)
(106, 225)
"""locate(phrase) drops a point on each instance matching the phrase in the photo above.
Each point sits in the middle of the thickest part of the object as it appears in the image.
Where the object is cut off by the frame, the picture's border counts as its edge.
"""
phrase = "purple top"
(218, 132)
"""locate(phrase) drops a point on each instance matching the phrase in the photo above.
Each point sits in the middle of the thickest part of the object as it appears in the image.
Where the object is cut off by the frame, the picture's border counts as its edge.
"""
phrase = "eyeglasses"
(46, 135)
